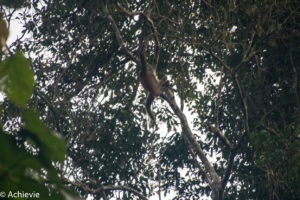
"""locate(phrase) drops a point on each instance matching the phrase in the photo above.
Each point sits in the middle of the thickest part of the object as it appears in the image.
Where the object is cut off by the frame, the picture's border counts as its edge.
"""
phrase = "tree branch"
(129, 12)
(224, 64)
(196, 161)
(214, 179)
(244, 102)
(222, 137)
(235, 148)
(146, 15)
(104, 188)
(295, 83)
(219, 98)
(245, 111)
(118, 34)
(51, 108)
(229, 168)
(216, 129)
(157, 43)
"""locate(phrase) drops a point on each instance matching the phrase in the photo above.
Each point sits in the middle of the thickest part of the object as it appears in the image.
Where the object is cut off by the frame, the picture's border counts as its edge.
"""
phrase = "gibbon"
(150, 81)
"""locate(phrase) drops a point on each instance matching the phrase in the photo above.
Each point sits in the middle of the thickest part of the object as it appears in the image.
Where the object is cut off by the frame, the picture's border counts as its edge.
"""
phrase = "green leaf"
(16, 78)
(50, 144)
(17, 170)
(14, 160)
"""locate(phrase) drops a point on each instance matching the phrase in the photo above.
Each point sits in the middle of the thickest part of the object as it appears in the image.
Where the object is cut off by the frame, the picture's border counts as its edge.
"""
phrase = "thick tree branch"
(196, 160)
(214, 179)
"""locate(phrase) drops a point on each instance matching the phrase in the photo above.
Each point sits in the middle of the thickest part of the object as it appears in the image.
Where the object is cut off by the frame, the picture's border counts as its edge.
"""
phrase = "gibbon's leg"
(165, 84)
(148, 108)
(167, 94)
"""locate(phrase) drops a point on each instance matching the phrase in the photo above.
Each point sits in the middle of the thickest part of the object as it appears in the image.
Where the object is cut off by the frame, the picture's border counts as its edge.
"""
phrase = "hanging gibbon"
(150, 81)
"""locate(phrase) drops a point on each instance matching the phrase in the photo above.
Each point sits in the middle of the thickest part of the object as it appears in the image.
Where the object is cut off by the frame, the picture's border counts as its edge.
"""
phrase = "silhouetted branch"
(118, 34)
(105, 188)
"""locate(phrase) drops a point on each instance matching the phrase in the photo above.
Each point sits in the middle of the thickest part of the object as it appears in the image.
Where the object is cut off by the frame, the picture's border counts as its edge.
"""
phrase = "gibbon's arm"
(142, 55)
(148, 109)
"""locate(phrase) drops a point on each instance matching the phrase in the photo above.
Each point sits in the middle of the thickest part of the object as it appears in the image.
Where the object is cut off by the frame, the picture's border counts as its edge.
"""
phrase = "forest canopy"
(231, 132)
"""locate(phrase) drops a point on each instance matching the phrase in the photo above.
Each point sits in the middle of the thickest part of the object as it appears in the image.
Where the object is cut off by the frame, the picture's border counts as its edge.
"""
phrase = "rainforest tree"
(232, 130)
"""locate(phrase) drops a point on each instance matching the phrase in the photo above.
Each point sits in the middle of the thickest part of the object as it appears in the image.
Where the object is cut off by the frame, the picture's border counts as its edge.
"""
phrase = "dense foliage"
(28, 151)
(232, 64)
